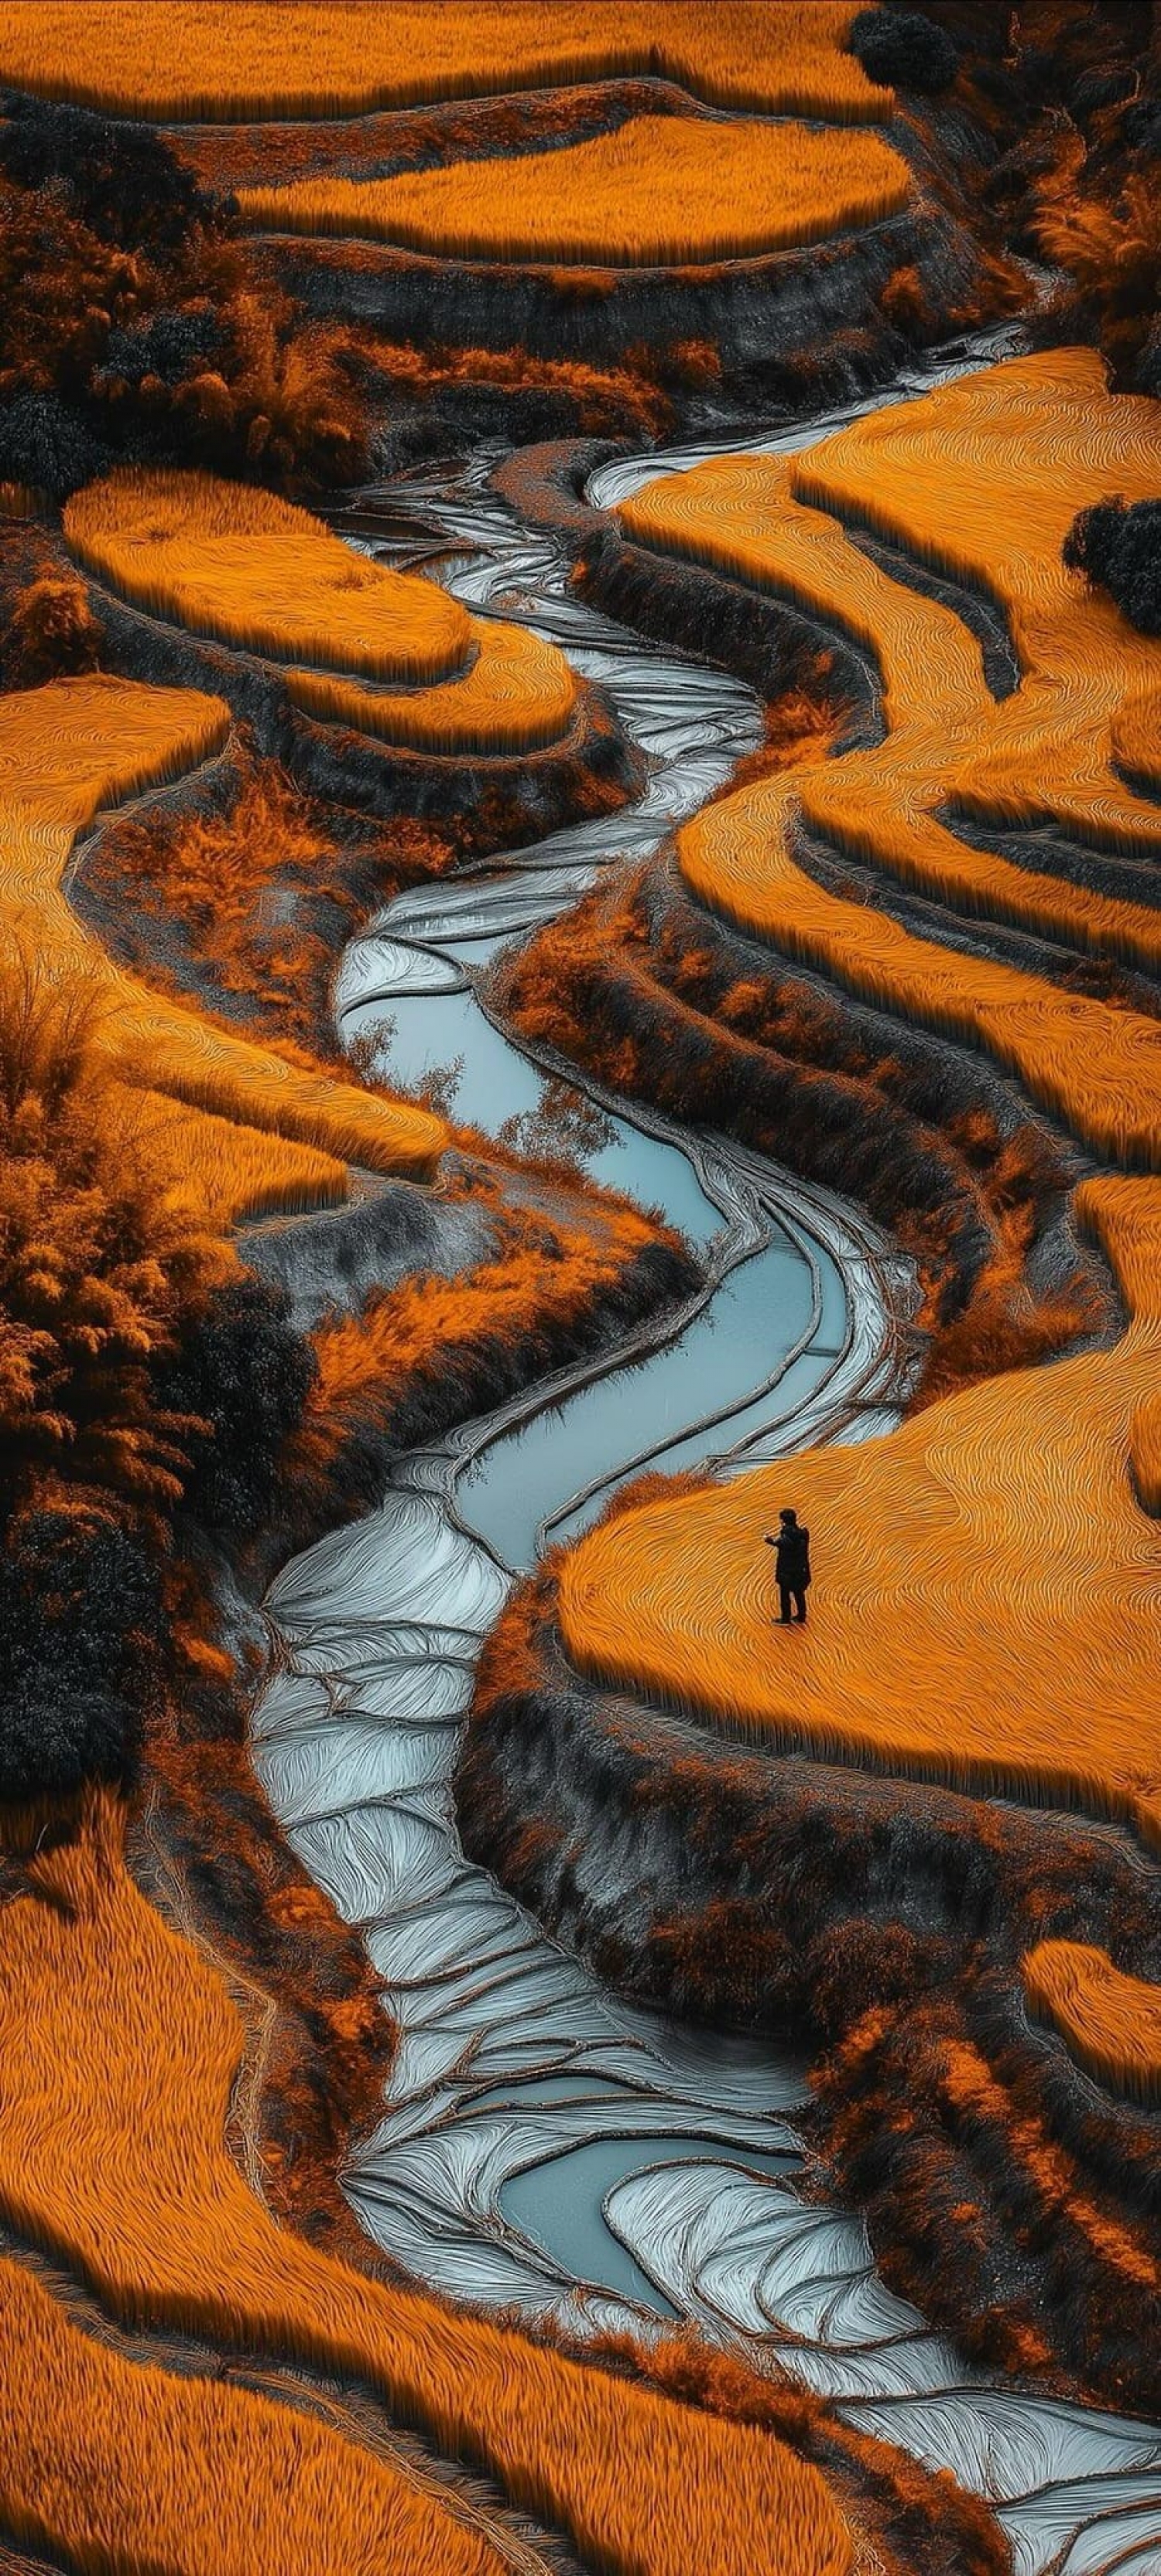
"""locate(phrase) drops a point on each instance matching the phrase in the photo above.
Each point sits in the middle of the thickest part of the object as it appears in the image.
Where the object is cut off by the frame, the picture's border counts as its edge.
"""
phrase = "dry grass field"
(129, 2182)
(237, 563)
(519, 695)
(66, 750)
(295, 58)
(1111, 2022)
(660, 192)
(236, 1171)
(125, 2467)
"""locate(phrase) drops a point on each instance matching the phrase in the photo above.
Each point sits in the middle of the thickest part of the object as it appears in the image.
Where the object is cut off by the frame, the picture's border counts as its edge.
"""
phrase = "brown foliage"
(53, 633)
(99, 1255)
(278, 398)
(624, 394)
(261, 894)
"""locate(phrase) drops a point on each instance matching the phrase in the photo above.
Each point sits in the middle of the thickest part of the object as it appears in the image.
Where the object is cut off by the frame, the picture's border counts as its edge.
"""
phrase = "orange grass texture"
(122, 2466)
(661, 192)
(519, 695)
(988, 1585)
(127, 2180)
(1110, 2022)
(237, 563)
(981, 479)
(66, 750)
(254, 59)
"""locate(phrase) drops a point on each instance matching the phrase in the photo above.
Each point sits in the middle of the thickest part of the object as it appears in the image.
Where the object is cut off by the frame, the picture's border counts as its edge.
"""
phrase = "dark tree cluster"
(243, 1374)
(903, 49)
(82, 1641)
(86, 1645)
(1118, 545)
(137, 323)
(119, 177)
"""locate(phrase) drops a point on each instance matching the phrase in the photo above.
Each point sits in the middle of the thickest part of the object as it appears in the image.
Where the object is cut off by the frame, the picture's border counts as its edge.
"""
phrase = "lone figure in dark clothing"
(791, 1566)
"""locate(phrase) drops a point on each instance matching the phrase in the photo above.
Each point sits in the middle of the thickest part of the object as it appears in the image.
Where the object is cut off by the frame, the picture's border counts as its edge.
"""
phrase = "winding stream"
(544, 2143)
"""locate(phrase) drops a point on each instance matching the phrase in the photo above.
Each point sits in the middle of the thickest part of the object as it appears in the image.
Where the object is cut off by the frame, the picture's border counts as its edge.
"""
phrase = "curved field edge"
(136, 2192)
(1110, 2022)
(659, 192)
(68, 749)
(104, 55)
(254, 571)
(520, 695)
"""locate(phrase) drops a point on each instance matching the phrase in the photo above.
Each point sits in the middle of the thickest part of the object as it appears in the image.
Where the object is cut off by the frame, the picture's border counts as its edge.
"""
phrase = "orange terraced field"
(229, 560)
(989, 1559)
(1110, 2022)
(294, 58)
(661, 192)
(1045, 430)
(66, 750)
(130, 2183)
(519, 695)
(125, 2466)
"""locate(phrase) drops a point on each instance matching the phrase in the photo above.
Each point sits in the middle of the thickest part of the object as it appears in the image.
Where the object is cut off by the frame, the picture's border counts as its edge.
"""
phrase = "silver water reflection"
(542, 2141)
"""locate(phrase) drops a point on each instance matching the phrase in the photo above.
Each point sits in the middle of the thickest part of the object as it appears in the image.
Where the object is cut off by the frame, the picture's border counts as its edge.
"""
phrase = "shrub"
(53, 633)
(245, 1374)
(157, 348)
(1118, 545)
(902, 49)
(81, 1631)
(97, 1261)
(44, 443)
(123, 179)
(170, 345)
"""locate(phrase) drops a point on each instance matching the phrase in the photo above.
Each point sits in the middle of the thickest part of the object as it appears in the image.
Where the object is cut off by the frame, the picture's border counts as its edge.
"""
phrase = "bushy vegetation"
(141, 1381)
(121, 179)
(82, 1639)
(243, 1375)
(904, 49)
(99, 1257)
(1118, 545)
(52, 633)
(133, 322)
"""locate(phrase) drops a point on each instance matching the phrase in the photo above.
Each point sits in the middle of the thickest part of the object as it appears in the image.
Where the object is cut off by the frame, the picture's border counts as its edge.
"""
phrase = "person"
(791, 1566)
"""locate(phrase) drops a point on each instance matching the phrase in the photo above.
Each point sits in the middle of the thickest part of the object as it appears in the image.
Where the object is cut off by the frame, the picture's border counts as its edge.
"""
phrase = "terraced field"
(785, 60)
(998, 1540)
(1109, 2021)
(229, 561)
(67, 750)
(418, 1938)
(661, 192)
(134, 2190)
